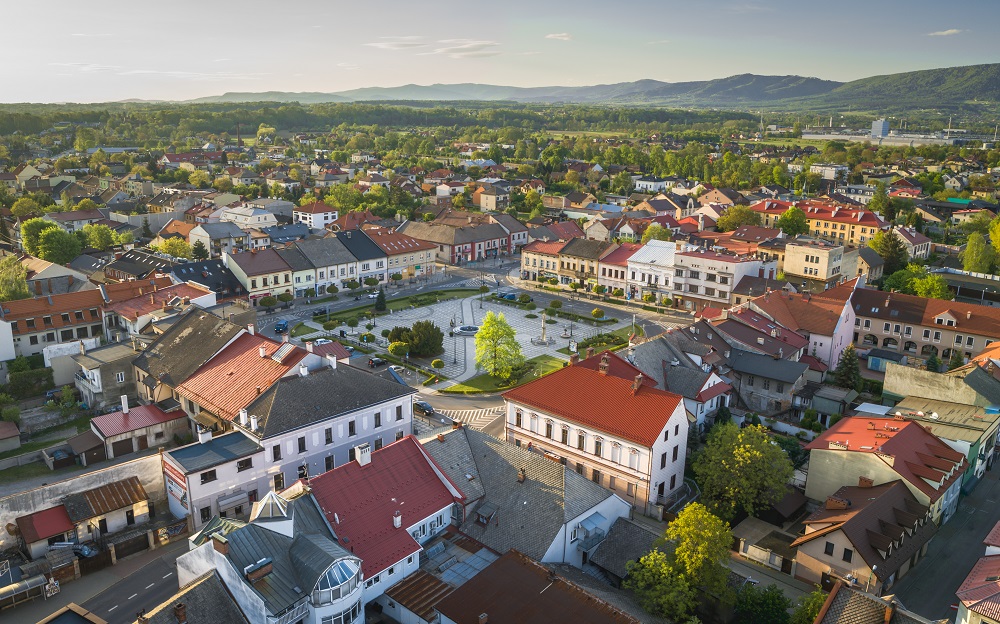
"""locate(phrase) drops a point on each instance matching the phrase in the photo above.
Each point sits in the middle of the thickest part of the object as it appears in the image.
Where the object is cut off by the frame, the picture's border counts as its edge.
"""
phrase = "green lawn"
(35, 469)
(403, 303)
(537, 367)
(302, 329)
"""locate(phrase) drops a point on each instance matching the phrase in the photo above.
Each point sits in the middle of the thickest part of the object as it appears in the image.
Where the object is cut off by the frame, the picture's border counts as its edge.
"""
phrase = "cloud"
(658, 42)
(398, 43)
(559, 36)
(944, 33)
(90, 34)
(466, 48)
(348, 66)
(190, 75)
(87, 68)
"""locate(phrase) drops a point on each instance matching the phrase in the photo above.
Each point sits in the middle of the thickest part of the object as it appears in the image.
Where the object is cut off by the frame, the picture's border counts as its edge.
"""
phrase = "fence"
(34, 456)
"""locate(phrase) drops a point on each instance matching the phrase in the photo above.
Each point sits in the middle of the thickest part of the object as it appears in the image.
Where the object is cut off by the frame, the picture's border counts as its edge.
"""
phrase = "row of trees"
(46, 240)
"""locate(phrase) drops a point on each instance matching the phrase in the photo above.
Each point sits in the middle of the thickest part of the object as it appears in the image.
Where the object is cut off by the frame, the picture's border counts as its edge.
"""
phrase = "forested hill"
(952, 87)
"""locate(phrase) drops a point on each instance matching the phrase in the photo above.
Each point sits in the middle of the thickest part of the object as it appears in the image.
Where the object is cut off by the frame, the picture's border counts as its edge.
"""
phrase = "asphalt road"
(148, 587)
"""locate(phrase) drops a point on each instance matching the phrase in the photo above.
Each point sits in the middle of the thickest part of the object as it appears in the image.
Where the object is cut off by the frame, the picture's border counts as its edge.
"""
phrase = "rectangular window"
(276, 453)
(208, 477)
(848, 555)
(399, 412)
(969, 341)
(828, 549)
(663, 460)
(565, 435)
(244, 464)
(206, 514)
(581, 441)
(548, 430)
(885, 328)
(595, 476)
(780, 387)
(937, 336)
(302, 444)
(958, 339)
(352, 429)
(120, 377)
(517, 419)
(378, 443)
(766, 383)
(750, 380)
(378, 419)
(330, 463)
(598, 447)
(328, 435)
(676, 452)
(927, 334)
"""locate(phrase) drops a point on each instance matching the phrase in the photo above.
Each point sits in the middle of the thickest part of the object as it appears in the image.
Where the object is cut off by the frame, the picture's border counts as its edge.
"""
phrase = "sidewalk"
(90, 585)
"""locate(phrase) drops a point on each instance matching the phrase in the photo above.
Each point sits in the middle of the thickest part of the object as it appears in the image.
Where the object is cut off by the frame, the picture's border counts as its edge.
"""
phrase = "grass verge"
(538, 366)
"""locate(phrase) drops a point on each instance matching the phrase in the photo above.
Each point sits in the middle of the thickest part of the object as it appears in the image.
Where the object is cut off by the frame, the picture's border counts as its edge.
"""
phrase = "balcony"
(87, 383)
(592, 540)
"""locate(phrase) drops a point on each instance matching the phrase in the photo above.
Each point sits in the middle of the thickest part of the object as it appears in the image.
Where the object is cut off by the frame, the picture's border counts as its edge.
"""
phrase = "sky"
(108, 50)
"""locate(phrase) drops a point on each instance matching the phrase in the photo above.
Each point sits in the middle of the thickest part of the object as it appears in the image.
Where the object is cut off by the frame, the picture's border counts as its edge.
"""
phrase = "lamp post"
(454, 352)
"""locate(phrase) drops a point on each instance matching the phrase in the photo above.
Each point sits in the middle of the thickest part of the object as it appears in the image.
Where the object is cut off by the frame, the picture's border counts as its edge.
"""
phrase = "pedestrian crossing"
(477, 419)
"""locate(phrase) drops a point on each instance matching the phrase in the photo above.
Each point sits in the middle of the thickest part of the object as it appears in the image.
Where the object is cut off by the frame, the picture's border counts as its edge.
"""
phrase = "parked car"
(321, 341)
(373, 295)
(375, 362)
(397, 368)
(466, 330)
(349, 348)
(423, 407)
(281, 327)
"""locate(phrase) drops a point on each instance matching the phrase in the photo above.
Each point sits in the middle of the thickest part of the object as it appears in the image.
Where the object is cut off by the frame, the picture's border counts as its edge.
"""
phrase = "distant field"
(558, 134)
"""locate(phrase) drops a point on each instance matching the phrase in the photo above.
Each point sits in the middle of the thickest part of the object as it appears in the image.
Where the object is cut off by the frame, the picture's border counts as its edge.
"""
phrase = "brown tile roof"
(980, 591)
(135, 307)
(315, 208)
(902, 308)
(801, 312)
(8, 430)
(396, 243)
(619, 255)
(551, 248)
(638, 416)
(420, 592)
(261, 262)
(105, 499)
(230, 380)
(177, 227)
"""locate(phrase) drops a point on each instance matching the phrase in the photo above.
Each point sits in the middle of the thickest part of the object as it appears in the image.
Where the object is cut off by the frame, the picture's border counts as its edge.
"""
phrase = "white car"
(397, 368)
(373, 295)
(321, 341)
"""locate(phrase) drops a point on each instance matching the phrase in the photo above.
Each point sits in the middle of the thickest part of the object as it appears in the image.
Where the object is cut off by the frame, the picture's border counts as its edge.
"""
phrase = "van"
(281, 327)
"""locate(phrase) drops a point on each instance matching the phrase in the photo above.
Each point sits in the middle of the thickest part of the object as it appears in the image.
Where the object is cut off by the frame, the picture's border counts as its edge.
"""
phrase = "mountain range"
(945, 88)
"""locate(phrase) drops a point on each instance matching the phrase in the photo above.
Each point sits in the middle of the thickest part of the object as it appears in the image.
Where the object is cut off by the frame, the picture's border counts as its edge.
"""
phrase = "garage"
(121, 447)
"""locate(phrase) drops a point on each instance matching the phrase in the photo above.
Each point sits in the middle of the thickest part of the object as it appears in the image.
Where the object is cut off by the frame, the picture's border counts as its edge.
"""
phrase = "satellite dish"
(898, 413)
(12, 529)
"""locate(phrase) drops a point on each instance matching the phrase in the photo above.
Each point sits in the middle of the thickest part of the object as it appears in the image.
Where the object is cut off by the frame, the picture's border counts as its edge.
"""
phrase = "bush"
(332, 290)
(352, 284)
(649, 298)
(399, 349)
(597, 313)
(618, 293)
(385, 333)
(310, 292)
(371, 281)
(367, 337)
(600, 290)
(554, 281)
(437, 363)
(285, 297)
(331, 325)
(530, 316)
(555, 304)
(530, 306)
(574, 286)
(352, 322)
(267, 302)
(29, 383)
(524, 298)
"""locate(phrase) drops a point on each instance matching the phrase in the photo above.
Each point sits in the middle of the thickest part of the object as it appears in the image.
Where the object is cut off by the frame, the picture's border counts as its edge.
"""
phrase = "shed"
(88, 448)
(878, 358)
(10, 437)
(43, 528)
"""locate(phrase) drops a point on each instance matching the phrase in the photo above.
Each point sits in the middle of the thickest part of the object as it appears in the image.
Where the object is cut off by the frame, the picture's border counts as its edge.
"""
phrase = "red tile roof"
(914, 453)
(601, 402)
(135, 307)
(551, 248)
(360, 501)
(397, 243)
(566, 230)
(44, 524)
(980, 591)
(229, 381)
(334, 348)
(822, 211)
(802, 312)
(117, 423)
(619, 255)
(617, 367)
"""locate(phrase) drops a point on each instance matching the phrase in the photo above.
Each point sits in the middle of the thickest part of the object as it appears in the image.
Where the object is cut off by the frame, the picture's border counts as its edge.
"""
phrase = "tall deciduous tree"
(57, 246)
(995, 234)
(13, 279)
(879, 202)
(762, 606)
(891, 249)
(978, 257)
(932, 287)
(848, 371)
(176, 247)
(737, 216)
(808, 607)
(793, 222)
(26, 208)
(497, 349)
(99, 236)
(657, 232)
(31, 230)
(739, 469)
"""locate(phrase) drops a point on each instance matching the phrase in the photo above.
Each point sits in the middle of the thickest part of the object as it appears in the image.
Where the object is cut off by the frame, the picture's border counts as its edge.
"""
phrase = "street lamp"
(454, 352)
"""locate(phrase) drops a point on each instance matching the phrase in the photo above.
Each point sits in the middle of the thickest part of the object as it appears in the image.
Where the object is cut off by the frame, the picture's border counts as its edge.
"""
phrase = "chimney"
(888, 298)
(204, 435)
(871, 426)
(605, 363)
(521, 475)
(441, 437)
(243, 417)
(574, 359)
(590, 352)
(256, 571)
(251, 328)
(124, 404)
(263, 351)
(637, 383)
(968, 315)
(833, 502)
(865, 482)
(83, 348)
(180, 612)
(363, 454)
(152, 299)
(258, 390)
(220, 543)
(890, 611)
(484, 618)
(456, 424)
(309, 346)
(303, 370)
(253, 422)
(397, 519)
(285, 338)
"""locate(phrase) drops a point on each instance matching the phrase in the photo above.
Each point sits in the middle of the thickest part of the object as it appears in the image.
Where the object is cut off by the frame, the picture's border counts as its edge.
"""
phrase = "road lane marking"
(112, 608)
(167, 574)
(132, 596)
(150, 585)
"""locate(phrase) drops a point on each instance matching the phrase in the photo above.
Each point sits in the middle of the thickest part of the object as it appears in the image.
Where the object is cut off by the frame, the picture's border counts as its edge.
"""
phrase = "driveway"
(930, 588)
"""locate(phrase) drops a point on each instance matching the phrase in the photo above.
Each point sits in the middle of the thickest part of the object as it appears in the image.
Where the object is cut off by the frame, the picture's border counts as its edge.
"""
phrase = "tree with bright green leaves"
(176, 247)
(371, 281)
(352, 285)
(756, 605)
(956, 360)
(932, 286)
(99, 236)
(736, 217)
(286, 297)
(979, 223)
(532, 201)
(199, 251)
(667, 582)
(26, 208)
(978, 257)
(808, 607)
(933, 364)
(399, 349)
(497, 349)
(380, 301)
(891, 249)
(655, 231)
(332, 289)
(57, 246)
(879, 202)
(31, 230)
(994, 231)
(199, 179)
(740, 470)
(793, 222)
(267, 301)
(848, 371)
(13, 279)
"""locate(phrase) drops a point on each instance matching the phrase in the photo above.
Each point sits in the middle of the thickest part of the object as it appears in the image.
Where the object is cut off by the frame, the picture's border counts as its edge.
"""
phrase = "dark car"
(375, 362)
(423, 407)
(281, 327)
(510, 297)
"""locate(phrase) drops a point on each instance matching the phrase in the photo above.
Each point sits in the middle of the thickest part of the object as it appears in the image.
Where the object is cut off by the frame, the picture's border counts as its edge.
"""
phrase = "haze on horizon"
(116, 50)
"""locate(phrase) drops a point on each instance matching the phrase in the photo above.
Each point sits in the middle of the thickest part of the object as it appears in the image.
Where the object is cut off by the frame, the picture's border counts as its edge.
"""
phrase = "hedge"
(30, 383)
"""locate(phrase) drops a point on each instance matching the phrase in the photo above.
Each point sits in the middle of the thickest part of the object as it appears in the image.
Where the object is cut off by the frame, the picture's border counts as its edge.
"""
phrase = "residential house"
(516, 499)
(540, 259)
(105, 373)
(278, 235)
(517, 232)
(650, 184)
(277, 207)
(494, 198)
(352, 220)
(248, 217)
(333, 262)
(979, 593)
(705, 278)
(203, 600)
(870, 264)
(137, 264)
(405, 255)
(614, 267)
(867, 532)
(173, 229)
(46, 278)
(211, 275)
(639, 455)
(371, 259)
(578, 261)
(262, 273)
(845, 225)
(303, 271)
(830, 171)
(650, 269)
(316, 215)
(721, 197)
(765, 384)
(129, 318)
(220, 238)
(826, 322)
(135, 429)
(882, 450)
(917, 245)
(819, 264)
(458, 244)
(747, 330)
(74, 220)
(750, 286)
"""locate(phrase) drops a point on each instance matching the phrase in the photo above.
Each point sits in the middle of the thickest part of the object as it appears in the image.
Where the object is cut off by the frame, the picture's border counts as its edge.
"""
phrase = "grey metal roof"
(360, 246)
(626, 541)
(223, 229)
(767, 366)
(282, 233)
(751, 285)
(871, 257)
(295, 259)
(206, 601)
(585, 248)
(442, 234)
(654, 358)
(529, 514)
(189, 343)
(225, 448)
(325, 252)
(294, 402)
(212, 274)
